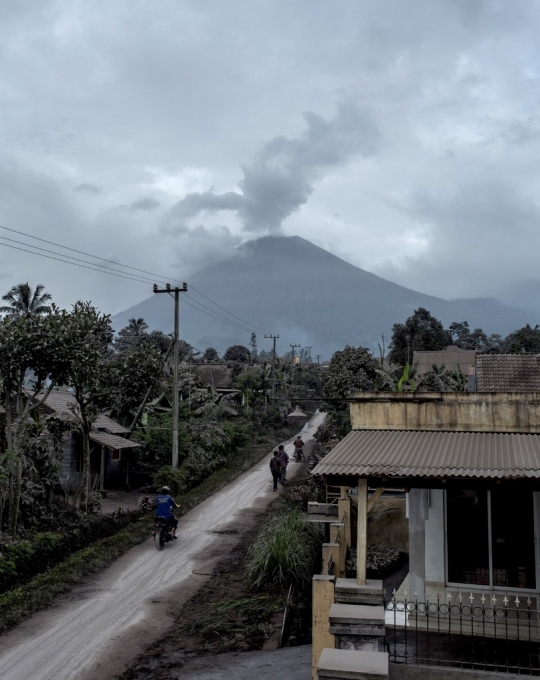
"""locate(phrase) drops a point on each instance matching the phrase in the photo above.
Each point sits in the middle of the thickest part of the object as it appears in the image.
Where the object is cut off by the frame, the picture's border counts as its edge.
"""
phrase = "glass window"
(512, 538)
(467, 535)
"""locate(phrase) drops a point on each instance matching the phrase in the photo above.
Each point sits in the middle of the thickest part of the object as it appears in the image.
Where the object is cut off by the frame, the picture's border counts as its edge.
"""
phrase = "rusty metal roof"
(111, 441)
(508, 372)
(398, 453)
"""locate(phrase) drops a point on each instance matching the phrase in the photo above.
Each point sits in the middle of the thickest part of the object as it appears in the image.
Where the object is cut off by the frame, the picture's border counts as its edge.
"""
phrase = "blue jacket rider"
(165, 504)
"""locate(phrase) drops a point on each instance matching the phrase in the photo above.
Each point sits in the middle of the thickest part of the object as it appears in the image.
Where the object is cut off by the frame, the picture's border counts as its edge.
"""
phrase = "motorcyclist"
(298, 448)
(165, 504)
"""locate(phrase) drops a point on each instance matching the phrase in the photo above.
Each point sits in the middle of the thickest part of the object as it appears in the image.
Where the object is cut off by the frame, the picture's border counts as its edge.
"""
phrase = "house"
(470, 464)
(452, 358)
(109, 446)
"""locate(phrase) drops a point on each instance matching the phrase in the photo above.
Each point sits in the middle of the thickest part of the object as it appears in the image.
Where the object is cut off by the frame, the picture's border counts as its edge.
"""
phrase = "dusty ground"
(102, 625)
(127, 500)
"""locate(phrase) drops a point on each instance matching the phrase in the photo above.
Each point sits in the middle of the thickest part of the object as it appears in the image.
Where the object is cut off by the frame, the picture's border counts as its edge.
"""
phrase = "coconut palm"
(137, 326)
(23, 302)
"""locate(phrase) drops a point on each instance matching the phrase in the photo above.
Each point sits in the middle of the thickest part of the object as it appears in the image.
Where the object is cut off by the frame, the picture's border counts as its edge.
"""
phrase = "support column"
(344, 515)
(323, 599)
(361, 547)
(102, 470)
(417, 542)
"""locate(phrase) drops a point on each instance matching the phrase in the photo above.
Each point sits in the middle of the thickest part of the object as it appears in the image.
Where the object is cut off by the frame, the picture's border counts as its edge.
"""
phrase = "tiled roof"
(508, 372)
(399, 453)
(103, 422)
(215, 375)
(60, 401)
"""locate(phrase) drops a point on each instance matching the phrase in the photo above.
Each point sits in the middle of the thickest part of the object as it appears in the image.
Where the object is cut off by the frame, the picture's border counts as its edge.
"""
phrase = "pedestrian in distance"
(275, 468)
(283, 456)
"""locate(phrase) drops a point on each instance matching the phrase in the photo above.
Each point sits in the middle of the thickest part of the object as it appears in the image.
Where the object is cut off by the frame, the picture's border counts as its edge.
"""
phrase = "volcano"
(291, 287)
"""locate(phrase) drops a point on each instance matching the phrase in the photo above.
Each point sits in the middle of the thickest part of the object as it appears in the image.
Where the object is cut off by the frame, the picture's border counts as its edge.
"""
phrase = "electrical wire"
(81, 252)
(113, 271)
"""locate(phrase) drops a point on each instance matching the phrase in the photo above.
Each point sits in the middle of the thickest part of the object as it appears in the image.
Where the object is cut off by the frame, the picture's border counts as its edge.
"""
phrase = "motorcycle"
(298, 455)
(162, 532)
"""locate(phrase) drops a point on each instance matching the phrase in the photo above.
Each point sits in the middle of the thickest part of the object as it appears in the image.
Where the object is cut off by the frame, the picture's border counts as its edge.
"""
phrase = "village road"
(101, 626)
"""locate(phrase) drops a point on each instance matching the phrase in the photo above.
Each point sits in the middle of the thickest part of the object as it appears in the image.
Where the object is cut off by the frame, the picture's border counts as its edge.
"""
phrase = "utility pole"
(309, 353)
(274, 338)
(318, 359)
(293, 364)
(168, 289)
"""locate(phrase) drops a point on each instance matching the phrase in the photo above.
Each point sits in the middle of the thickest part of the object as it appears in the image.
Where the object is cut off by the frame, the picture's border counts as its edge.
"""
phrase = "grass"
(231, 622)
(40, 592)
(284, 552)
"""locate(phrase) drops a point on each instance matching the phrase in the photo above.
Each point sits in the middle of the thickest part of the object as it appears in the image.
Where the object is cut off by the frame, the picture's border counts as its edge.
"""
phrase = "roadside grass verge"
(40, 592)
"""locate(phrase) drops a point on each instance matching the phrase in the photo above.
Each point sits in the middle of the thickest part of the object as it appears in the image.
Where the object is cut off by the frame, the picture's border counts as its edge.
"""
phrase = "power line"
(70, 257)
(225, 310)
(81, 252)
(103, 271)
(113, 271)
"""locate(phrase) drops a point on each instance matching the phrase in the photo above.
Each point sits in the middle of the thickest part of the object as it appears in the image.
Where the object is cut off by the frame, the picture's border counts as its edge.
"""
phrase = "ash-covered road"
(106, 621)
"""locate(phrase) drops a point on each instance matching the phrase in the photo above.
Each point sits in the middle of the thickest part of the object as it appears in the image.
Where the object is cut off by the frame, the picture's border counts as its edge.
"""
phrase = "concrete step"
(347, 664)
(349, 592)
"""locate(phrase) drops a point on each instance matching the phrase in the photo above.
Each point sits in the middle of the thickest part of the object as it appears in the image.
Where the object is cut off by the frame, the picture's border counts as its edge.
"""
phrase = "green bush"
(284, 552)
(175, 479)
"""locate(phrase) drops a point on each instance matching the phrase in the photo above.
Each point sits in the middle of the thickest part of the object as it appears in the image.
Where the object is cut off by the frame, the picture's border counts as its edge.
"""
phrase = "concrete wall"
(434, 527)
(412, 672)
(447, 411)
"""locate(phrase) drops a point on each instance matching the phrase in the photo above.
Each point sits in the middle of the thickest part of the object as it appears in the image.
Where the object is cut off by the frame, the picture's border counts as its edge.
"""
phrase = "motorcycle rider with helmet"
(164, 507)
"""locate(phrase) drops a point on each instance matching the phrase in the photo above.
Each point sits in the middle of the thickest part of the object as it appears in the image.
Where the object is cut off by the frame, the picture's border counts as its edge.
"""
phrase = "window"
(491, 537)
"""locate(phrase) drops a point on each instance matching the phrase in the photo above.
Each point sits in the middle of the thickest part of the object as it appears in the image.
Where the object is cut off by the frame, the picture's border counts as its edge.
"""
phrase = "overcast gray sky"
(402, 136)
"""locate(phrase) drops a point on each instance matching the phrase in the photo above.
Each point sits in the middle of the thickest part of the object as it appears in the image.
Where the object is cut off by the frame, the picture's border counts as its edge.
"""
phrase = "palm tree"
(24, 302)
(137, 326)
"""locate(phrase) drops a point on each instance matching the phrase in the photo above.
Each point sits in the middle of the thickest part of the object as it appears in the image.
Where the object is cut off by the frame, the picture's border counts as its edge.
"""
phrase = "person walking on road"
(275, 468)
(298, 449)
(284, 462)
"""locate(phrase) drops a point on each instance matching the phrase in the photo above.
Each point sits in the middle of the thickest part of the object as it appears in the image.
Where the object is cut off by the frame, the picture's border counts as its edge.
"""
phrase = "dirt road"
(106, 621)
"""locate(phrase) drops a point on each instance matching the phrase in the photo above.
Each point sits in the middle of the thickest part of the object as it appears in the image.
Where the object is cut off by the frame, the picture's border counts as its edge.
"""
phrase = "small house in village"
(109, 447)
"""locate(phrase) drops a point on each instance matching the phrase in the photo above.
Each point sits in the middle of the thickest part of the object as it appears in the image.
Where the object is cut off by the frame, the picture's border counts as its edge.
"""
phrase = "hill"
(289, 286)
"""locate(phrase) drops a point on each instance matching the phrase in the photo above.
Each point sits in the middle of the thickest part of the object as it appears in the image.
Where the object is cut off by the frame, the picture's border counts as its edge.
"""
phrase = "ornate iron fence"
(476, 631)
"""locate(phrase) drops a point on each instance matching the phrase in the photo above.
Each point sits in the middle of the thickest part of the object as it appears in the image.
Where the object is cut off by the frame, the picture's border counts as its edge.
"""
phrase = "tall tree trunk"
(14, 508)
(83, 503)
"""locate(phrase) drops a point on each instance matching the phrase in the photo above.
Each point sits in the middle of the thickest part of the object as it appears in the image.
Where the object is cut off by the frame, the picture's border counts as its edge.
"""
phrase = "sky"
(403, 137)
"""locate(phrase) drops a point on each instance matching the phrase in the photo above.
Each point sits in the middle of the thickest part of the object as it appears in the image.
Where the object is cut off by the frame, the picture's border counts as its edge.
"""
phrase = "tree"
(420, 332)
(237, 353)
(210, 356)
(131, 375)
(23, 302)
(526, 339)
(137, 326)
(28, 345)
(351, 370)
(87, 338)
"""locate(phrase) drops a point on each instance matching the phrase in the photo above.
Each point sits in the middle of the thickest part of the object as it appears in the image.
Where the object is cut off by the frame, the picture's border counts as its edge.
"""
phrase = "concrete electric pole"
(274, 338)
(293, 364)
(168, 289)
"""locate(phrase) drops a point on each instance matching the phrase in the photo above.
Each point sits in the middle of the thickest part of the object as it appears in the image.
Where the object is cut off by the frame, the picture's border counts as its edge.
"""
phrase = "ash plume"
(281, 177)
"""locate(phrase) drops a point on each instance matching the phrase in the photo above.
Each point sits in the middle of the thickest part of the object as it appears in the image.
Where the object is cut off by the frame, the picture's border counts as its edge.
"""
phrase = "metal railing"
(465, 632)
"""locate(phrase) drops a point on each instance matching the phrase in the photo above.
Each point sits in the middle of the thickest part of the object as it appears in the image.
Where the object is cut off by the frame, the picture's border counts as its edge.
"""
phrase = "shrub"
(174, 478)
(284, 552)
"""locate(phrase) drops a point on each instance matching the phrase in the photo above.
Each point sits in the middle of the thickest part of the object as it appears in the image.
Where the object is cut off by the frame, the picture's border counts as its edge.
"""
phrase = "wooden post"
(361, 548)
(344, 515)
(102, 470)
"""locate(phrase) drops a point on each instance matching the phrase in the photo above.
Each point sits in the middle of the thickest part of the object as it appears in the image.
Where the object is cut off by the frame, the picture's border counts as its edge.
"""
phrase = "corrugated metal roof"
(508, 372)
(398, 453)
(111, 441)
(103, 422)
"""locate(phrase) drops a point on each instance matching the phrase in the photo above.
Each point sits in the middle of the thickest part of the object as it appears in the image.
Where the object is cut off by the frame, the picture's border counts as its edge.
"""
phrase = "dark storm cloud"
(147, 203)
(281, 177)
(87, 188)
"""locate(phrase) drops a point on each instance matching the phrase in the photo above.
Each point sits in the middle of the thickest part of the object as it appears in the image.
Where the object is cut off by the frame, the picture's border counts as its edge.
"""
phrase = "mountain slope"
(289, 286)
